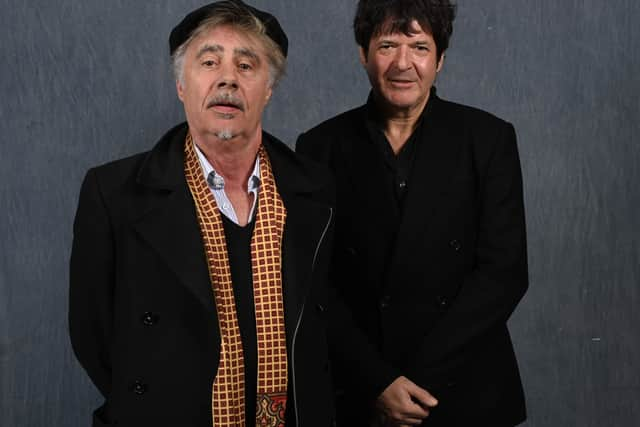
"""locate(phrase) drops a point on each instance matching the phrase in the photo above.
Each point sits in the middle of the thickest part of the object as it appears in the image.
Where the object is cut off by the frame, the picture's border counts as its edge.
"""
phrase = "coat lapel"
(306, 223)
(303, 232)
(169, 224)
(171, 228)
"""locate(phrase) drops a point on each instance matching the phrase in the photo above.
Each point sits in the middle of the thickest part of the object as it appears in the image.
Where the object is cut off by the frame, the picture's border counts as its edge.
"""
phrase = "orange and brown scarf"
(228, 396)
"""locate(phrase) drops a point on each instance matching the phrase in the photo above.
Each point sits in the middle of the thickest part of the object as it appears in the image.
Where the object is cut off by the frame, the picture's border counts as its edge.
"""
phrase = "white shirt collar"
(216, 181)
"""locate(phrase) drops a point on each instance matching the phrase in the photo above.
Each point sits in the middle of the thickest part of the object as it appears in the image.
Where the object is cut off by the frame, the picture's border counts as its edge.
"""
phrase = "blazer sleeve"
(348, 345)
(302, 145)
(499, 279)
(91, 284)
(309, 145)
(350, 349)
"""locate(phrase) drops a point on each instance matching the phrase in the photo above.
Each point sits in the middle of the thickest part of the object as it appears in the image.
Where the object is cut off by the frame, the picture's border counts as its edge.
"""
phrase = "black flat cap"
(183, 30)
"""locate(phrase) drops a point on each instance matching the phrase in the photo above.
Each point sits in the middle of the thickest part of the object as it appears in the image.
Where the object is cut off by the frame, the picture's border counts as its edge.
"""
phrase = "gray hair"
(241, 19)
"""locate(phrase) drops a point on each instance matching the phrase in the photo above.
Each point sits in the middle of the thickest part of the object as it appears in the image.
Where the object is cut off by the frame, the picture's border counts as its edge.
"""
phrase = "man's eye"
(209, 63)
(244, 66)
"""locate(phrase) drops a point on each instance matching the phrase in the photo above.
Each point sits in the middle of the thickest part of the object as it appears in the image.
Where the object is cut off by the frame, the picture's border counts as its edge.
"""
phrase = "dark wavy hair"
(375, 17)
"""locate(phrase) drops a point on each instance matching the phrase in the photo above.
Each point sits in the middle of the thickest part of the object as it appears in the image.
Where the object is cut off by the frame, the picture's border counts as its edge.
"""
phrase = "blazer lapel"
(169, 224)
(359, 191)
(365, 163)
(436, 156)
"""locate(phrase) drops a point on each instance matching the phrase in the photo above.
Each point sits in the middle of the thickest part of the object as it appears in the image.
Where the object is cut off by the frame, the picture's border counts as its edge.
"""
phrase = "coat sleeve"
(499, 279)
(91, 284)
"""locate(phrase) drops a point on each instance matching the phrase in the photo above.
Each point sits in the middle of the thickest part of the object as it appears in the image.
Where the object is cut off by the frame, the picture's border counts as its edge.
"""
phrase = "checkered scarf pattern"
(228, 397)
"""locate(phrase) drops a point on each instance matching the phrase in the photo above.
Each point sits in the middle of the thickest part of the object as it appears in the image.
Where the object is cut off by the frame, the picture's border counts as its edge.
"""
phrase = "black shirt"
(398, 166)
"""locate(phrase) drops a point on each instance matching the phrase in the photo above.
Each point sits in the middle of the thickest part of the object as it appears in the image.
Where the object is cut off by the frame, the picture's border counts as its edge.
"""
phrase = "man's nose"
(228, 78)
(403, 61)
(227, 82)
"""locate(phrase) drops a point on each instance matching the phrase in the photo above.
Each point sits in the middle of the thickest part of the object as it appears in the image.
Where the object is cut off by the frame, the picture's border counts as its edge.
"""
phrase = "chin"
(401, 100)
(223, 125)
(225, 134)
(402, 104)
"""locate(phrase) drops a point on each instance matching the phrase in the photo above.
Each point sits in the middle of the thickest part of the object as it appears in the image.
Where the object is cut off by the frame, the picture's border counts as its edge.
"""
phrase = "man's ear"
(440, 63)
(363, 55)
(180, 90)
(269, 93)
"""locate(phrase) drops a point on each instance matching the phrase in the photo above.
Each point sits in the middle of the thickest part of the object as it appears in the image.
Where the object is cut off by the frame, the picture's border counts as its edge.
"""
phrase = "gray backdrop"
(84, 82)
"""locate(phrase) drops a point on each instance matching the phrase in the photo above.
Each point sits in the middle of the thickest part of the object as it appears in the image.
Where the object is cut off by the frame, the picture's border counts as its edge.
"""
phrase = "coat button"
(384, 302)
(149, 319)
(455, 245)
(139, 388)
(320, 308)
(442, 302)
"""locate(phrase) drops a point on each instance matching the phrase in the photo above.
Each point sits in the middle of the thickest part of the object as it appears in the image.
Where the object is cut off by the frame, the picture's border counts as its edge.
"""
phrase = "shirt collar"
(216, 181)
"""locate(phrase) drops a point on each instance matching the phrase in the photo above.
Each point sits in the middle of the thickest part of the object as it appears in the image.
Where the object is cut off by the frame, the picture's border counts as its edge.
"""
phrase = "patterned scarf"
(228, 398)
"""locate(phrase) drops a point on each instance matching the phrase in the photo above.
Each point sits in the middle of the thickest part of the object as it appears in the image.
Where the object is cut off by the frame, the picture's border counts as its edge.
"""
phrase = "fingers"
(421, 396)
(404, 403)
(408, 408)
(413, 410)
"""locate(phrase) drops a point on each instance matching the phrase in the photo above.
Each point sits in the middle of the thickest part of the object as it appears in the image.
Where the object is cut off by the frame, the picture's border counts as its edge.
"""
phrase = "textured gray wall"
(84, 82)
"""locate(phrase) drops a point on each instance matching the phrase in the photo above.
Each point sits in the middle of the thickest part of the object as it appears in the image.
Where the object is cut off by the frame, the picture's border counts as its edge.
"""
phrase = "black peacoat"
(436, 297)
(142, 317)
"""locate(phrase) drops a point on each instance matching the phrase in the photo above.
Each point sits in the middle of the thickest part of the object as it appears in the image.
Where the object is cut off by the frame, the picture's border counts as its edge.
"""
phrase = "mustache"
(225, 98)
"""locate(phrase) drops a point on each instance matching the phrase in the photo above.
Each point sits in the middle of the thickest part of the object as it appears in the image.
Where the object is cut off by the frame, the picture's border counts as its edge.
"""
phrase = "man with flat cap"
(430, 233)
(198, 277)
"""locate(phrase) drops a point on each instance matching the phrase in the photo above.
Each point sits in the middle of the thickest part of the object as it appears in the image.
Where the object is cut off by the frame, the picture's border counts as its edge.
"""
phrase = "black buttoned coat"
(433, 284)
(142, 317)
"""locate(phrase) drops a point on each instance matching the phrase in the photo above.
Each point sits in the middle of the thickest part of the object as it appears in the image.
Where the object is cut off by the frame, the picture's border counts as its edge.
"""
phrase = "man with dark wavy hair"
(430, 250)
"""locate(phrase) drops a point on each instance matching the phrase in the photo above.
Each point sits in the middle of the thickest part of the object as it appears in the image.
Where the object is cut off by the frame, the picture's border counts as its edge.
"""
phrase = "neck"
(233, 158)
(399, 123)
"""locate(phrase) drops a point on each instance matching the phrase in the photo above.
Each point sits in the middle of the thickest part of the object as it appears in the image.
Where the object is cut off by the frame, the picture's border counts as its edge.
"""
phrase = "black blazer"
(436, 304)
(142, 317)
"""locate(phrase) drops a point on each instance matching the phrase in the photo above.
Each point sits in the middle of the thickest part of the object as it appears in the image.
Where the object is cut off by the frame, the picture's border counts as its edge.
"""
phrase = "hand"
(404, 403)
